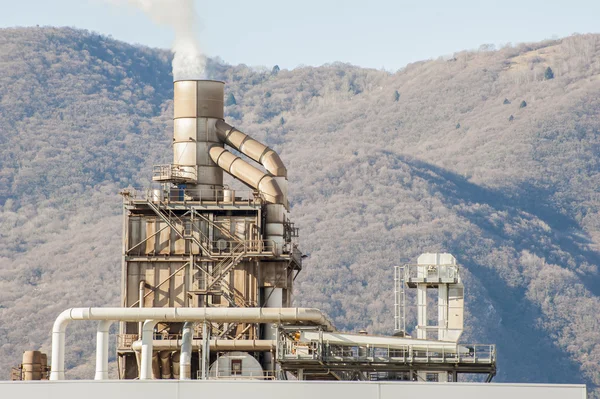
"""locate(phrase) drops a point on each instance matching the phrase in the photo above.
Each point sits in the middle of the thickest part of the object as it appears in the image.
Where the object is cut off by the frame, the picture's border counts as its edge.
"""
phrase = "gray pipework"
(186, 351)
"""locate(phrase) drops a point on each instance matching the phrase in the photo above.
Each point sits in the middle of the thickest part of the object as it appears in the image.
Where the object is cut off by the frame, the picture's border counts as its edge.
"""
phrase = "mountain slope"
(452, 162)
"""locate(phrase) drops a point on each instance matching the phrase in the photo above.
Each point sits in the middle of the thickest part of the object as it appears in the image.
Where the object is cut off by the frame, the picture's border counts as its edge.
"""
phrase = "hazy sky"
(370, 33)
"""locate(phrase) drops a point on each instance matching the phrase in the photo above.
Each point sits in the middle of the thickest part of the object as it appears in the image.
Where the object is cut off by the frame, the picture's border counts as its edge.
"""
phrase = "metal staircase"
(224, 261)
(174, 221)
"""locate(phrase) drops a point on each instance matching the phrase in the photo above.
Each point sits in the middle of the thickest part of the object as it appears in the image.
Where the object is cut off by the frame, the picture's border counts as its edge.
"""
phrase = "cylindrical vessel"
(198, 105)
(234, 365)
(32, 365)
(175, 358)
(228, 195)
(274, 229)
(165, 365)
(155, 366)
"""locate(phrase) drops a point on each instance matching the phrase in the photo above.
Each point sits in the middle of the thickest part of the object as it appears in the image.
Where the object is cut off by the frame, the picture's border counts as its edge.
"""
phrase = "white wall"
(283, 389)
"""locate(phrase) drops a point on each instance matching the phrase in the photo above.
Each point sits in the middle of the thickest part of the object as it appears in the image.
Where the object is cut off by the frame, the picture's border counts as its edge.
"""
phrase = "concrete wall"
(283, 389)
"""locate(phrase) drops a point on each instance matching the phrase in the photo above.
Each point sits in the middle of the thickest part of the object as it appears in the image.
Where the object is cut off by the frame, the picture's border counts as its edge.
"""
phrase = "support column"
(205, 350)
(422, 311)
(442, 312)
(102, 350)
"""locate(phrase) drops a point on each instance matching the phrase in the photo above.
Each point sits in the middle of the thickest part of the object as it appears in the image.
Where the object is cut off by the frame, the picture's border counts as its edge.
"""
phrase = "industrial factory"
(207, 285)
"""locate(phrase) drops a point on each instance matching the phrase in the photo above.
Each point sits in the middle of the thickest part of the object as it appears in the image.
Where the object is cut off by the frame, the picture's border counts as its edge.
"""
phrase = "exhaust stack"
(199, 159)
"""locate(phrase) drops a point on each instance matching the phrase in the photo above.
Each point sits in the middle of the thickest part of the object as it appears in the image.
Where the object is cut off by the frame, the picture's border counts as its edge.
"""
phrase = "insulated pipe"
(185, 360)
(247, 173)
(142, 293)
(155, 315)
(102, 350)
(336, 338)
(147, 341)
(252, 148)
(227, 345)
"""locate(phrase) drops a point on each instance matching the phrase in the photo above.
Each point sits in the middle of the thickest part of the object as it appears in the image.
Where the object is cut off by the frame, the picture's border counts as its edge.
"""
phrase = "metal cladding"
(450, 296)
(247, 173)
(199, 128)
(194, 244)
(198, 99)
(252, 148)
(32, 365)
(198, 105)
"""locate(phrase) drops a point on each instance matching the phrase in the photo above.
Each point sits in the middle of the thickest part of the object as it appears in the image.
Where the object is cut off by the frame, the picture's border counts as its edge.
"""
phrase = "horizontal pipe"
(258, 345)
(247, 173)
(378, 341)
(149, 315)
(252, 148)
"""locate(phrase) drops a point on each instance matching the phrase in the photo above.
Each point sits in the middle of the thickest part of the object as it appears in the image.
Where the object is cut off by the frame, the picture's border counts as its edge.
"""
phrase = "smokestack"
(198, 105)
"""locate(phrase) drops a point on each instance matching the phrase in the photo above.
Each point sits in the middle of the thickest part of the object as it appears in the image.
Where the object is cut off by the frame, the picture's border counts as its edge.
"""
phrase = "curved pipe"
(252, 148)
(147, 342)
(155, 315)
(247, 173)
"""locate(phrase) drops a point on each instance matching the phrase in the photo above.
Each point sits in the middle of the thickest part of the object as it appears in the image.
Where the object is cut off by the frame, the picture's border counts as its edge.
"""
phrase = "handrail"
(174, 172)
(220, 196)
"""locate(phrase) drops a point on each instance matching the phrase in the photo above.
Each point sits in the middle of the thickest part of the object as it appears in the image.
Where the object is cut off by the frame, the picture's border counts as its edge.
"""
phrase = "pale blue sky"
(370, 33)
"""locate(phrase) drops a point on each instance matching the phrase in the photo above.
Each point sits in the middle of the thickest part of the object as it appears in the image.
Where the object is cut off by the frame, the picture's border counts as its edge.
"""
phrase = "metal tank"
(32, 365)
(236, 365)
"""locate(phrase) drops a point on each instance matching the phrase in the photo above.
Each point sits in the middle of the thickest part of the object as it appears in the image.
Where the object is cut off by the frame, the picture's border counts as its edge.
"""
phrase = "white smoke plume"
(180, 15)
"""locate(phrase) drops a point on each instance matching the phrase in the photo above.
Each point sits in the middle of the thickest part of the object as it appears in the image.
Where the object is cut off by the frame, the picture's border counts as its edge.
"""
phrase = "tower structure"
(438, 271)
(194, 242)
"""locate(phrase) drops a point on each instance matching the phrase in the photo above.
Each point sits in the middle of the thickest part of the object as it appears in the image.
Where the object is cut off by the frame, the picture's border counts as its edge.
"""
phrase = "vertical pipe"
(102, 350)
(142, 293)
(422, 303)
(205, 350)
(186, 352)
(273, 298)
(57, 370)
(147, 338)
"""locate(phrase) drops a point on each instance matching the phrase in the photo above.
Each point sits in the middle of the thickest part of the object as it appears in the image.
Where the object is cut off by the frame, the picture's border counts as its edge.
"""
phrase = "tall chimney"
(198, 105)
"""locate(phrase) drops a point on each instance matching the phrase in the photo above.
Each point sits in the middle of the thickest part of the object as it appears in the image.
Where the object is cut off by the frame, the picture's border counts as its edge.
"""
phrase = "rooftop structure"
(208, 274)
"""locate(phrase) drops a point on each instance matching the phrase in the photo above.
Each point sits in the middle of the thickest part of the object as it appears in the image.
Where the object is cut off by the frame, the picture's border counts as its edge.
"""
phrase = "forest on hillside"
(483, 154)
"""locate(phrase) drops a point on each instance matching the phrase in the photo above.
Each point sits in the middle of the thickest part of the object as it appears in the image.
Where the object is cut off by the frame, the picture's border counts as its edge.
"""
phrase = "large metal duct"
(247, 173)
(252, 148)
(198, 105)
